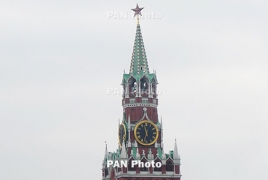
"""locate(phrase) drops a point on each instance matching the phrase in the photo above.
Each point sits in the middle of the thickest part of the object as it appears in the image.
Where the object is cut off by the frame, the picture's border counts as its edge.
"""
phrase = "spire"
(162, 128)
(163, 154)
(135, 144)
(106, 151)
(123, 151)
(104, 162)
(150, 154)
(119, 128)
(176, 153)
(129, 141)
(138, 156)
(139, 64)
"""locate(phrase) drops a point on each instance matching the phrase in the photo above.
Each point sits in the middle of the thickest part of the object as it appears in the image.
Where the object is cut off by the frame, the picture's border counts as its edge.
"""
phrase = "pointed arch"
(145, 116)
(143, 161)
(106, 172)
(169, 165)
(144, 83)
(133, 86)
(156, 168)
(130, 168)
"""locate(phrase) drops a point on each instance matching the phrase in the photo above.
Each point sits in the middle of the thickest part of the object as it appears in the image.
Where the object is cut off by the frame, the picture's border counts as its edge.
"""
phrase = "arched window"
(132, 87)
(144, 168)
(130, 168)
(144, 84)
(106, 172)
(154, 87)
(169, 165)
(158, 168)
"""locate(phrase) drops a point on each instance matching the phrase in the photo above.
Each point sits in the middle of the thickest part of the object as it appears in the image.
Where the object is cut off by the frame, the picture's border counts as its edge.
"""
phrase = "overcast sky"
(58, 58)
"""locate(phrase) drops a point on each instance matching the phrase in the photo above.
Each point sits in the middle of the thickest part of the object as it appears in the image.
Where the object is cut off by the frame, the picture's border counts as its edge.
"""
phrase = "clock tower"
(140, 134)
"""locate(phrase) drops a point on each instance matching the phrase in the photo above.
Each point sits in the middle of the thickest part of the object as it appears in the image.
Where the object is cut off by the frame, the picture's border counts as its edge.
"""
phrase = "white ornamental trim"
(140, 105)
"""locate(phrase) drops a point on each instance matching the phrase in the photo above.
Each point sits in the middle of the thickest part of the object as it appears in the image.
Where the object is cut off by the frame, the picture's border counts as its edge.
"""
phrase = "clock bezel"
(125, 136)
(135, 132)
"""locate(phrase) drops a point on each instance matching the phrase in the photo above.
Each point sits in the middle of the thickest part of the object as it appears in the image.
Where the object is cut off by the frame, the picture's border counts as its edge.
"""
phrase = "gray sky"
(57, 59)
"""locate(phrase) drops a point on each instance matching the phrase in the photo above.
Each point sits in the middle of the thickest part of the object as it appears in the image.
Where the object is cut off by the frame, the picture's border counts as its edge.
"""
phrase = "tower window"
(141, 68)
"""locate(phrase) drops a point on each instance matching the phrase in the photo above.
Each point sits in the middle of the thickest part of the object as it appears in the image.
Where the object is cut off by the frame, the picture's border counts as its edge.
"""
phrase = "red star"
(137, 10)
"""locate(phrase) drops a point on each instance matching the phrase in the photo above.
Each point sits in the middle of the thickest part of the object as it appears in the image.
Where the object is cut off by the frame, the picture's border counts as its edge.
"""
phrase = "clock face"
(122, 134)
(146, 133)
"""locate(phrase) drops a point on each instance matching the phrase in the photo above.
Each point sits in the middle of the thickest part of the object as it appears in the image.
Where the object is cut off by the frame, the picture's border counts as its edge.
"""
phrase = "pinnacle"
(123, 151)
(176, 153)
(106, 151)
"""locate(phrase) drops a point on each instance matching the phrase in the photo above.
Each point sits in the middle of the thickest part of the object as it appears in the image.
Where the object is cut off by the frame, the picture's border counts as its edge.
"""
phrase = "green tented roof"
(139, 64)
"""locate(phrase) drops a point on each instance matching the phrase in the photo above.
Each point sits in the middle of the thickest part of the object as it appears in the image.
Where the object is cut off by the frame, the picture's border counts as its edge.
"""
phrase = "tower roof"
(139, 64)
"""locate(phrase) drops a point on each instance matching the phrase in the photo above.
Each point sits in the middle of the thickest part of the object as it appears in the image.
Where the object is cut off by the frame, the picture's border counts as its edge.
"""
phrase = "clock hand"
(146, 132)
(144, 139)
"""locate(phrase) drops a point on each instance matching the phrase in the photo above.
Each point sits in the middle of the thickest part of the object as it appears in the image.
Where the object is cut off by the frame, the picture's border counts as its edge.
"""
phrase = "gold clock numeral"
(146, 124)
(153, 129)
(150, 140)
(139, 137)
(141, 125)
(138, 132)
(154, 132)
(141, 140)
(153, 137)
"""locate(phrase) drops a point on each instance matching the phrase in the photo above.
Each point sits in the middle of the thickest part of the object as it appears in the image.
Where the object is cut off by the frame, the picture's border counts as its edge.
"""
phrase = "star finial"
(137, 11)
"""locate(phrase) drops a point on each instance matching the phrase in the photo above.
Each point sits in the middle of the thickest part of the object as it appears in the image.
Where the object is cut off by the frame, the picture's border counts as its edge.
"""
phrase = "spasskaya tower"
(140, 134)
